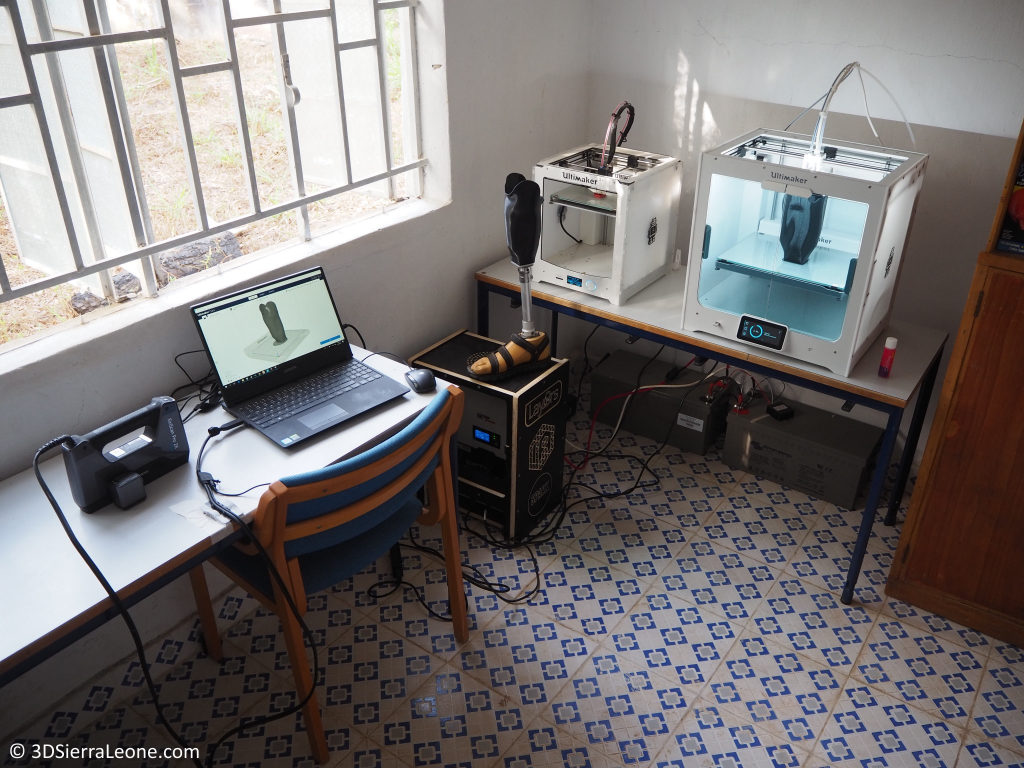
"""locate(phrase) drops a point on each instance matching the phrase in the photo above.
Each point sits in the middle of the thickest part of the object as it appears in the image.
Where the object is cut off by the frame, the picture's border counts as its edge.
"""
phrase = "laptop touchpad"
(314, 419)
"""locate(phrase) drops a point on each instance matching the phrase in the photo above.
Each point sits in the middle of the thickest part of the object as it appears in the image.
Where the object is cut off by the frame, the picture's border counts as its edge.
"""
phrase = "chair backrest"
(322, 508)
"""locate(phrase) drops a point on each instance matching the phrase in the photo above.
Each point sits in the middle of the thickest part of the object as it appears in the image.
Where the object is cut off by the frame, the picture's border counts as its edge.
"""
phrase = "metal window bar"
(148, 277)
(242, 121)
(341, 89)
(385, 102)
(44, 132)
(291, 125)
(103, 42)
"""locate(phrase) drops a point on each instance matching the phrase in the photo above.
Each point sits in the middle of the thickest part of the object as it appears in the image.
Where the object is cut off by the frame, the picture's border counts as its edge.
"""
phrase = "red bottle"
(888, 354)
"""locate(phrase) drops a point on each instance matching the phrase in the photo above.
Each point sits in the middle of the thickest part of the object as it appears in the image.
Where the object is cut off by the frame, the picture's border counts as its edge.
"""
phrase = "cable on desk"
(362, 342)
(390, 355)
(111, 592)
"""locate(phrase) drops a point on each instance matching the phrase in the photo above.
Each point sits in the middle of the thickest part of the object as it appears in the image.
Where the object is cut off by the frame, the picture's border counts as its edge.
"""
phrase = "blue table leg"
(874, 494)
(554, 332)
(483, 306)
(916, 422)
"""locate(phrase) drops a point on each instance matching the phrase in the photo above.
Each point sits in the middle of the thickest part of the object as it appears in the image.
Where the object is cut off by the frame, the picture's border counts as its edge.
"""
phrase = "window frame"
(101, 41)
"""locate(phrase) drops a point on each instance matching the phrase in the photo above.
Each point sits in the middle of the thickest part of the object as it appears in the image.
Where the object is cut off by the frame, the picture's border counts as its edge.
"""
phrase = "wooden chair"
(326, 525)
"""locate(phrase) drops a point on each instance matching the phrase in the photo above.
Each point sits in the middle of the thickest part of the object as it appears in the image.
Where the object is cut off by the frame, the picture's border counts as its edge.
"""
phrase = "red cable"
(593, 419)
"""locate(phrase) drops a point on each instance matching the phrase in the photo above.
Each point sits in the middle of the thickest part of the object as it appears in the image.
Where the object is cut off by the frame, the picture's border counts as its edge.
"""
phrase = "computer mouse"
(421, 380)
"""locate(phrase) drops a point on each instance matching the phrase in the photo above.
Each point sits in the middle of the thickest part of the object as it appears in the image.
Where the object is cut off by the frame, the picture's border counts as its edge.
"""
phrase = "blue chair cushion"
(326, 567)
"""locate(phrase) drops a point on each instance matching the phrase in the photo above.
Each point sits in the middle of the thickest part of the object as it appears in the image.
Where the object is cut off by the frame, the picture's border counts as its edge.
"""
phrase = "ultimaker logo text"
(784, 177)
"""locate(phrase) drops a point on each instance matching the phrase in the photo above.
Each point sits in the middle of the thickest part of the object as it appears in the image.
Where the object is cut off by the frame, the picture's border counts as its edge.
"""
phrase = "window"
(144, 140)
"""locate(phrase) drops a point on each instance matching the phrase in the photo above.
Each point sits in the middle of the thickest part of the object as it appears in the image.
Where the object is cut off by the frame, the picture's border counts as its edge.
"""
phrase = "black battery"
(689, 418)
(512, 435)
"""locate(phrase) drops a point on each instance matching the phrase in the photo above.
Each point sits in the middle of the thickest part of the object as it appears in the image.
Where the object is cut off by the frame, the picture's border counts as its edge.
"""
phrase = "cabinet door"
(971, 541)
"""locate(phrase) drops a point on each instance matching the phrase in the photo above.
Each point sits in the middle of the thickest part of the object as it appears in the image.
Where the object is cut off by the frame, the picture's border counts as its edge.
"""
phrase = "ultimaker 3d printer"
(609, 218)
(800, 260)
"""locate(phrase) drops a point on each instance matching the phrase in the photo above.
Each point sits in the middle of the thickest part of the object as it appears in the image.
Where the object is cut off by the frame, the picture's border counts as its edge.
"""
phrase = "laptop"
(282, 359)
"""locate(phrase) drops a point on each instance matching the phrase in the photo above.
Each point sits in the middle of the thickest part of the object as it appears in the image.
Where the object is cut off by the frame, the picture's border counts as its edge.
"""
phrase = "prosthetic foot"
(530, 348)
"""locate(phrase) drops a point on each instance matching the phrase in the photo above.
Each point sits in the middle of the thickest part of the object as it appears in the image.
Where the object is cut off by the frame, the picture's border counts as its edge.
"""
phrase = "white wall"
(502, 103)
(700, 73)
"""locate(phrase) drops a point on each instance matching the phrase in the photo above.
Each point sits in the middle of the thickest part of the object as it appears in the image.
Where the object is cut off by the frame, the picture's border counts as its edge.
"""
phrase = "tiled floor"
(697, 624)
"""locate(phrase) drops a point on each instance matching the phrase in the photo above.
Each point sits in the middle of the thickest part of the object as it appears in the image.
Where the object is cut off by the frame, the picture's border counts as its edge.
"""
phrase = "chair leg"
(207, 618)
(303, 679)
(396, 562)
(452, 556)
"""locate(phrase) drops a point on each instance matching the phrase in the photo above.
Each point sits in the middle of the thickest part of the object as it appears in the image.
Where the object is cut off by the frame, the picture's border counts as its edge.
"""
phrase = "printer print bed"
(697, 623)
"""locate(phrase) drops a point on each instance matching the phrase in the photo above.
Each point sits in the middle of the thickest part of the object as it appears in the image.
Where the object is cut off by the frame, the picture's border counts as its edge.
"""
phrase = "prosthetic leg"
(529, 349)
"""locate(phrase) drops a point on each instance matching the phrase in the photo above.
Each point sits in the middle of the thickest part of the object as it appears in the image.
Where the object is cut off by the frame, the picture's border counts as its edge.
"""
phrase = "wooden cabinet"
(961, 554)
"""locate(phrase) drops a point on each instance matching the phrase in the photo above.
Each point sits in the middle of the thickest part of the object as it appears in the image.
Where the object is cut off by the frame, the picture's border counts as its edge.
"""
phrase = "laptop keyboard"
(278, 405)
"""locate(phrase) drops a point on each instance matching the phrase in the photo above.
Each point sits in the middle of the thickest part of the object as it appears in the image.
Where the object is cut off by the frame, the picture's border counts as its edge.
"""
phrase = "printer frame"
(869, 288)
(639, 216)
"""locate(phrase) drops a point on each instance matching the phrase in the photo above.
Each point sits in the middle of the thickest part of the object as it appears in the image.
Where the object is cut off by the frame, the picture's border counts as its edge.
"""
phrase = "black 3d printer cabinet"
(512, 436)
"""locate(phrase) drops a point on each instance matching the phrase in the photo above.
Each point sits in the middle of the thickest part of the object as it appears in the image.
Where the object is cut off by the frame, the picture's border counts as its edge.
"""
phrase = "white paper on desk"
(205, 517)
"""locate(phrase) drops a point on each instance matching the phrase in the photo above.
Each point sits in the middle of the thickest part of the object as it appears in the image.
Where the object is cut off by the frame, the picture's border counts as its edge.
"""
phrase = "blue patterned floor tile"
(544, 746)
(636, 544)
(454, 719)
(924, 671)
(765, 527)
(941, 627)
(998, 714)
(785, 694)
(524, 655)
(712, 736)
(679, 641)
(981, 753)
(621, 709)
(718, 579)
(868, 728)
(587, 595)
(800, 617)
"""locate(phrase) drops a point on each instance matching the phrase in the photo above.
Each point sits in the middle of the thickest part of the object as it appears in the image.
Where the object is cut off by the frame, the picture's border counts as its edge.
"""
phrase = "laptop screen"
(252, 333)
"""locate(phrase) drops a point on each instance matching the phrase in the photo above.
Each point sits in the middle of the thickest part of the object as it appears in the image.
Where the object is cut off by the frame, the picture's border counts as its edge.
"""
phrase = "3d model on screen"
(273, 320)
(277, 345)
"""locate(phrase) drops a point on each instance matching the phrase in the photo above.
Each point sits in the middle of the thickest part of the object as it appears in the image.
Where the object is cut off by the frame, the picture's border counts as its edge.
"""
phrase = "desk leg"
(483, 306)
(913, 433)
(207, 618)
(554, 333)
(874, 494)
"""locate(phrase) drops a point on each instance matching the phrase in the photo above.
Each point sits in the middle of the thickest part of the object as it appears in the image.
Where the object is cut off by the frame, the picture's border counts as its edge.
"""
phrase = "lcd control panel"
(577, 281)
(492, 439)
(756, 331)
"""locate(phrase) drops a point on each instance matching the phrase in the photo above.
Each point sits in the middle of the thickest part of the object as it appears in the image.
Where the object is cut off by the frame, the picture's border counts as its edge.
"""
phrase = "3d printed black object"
(801, 226)
(273, 320)
(523, 204)
(149, 442)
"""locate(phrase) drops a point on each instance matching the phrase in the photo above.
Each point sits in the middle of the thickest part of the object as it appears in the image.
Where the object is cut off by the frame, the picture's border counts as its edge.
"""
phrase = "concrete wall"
(499, 100)
(700, 73)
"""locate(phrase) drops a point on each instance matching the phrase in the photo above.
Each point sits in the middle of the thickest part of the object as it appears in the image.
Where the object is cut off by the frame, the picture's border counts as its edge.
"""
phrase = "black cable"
(209, 484)
(111, 592)
(242, 493)
(561, 223)
(586, 363)
(362, 342)
(391, 355)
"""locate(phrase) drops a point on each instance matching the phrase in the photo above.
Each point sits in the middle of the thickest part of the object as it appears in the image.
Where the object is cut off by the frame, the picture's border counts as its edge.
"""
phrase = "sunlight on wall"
(692, 116)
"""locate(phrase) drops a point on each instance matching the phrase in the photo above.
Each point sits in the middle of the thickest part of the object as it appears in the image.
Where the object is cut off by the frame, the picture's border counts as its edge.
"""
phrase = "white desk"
(50, 597)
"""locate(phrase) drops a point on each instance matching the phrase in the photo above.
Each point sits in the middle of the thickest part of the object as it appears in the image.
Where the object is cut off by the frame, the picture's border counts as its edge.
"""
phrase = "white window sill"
(221, 279)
